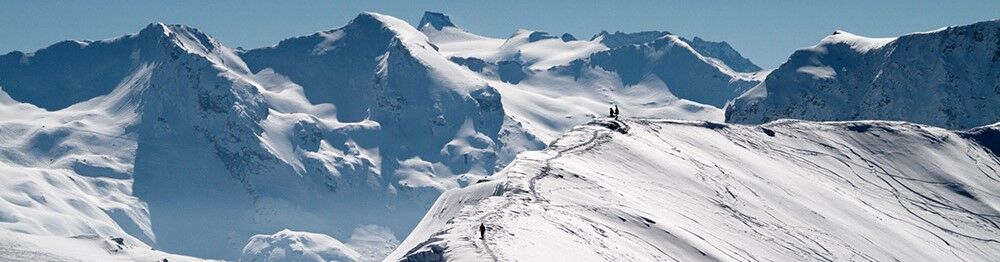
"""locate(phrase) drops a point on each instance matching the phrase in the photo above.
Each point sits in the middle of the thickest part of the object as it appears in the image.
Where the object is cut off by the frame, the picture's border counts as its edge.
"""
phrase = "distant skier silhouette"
(611, 112)
(616, 112)
(482, 231)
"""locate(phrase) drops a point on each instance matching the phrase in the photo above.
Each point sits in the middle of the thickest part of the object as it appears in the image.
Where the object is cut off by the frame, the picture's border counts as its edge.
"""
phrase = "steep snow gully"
(704, 191)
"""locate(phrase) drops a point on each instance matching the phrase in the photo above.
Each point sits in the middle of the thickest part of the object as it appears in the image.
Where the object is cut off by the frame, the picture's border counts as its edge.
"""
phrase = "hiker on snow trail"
(482, 231)
(616, 112)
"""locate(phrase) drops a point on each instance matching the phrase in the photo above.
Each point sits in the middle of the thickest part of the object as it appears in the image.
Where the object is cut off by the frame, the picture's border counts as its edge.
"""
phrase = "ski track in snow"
(751, 206)
(548, 164)
(499, 211)
(534, 193)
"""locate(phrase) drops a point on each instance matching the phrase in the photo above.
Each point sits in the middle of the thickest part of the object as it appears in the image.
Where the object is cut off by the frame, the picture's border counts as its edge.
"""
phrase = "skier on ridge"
(482, 231)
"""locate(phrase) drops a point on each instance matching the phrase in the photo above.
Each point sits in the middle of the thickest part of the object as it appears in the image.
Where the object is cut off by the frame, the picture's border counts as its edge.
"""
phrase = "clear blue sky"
(765, 31)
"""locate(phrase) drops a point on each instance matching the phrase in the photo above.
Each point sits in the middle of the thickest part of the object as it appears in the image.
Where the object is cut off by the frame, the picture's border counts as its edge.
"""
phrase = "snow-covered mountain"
(165, 143)
(172, 141)
(550, 82)
(703, 191)
(380, 69)
(721, 51)
(724, 52)
(137, 138)
(948, 77)
(646, 54)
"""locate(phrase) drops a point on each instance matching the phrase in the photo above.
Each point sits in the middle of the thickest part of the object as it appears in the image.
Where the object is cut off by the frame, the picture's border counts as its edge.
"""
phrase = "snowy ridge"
(858, 43)
(725, 53)
(100, 65)
(620, 39)
(436, 20)
(692, 191)
(947, 78)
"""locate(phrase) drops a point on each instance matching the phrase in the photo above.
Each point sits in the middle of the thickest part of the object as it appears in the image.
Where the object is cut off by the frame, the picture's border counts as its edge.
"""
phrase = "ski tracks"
(548, 163)
(545, 170)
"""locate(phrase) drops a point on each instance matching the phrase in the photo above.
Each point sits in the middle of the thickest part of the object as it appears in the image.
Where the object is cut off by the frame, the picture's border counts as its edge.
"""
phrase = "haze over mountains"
(334, 145)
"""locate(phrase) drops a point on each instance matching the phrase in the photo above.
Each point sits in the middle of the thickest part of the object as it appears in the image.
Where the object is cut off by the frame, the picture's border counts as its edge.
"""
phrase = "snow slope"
(28, 247)
(948, 77)
(693, 191)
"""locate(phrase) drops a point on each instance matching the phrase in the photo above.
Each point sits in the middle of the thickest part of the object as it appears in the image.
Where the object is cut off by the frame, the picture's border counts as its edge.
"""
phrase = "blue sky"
(765, 31)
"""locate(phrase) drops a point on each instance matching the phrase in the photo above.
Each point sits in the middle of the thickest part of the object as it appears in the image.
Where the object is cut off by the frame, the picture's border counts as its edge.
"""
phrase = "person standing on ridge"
(611, 112)
(616, 112)
(482, 231)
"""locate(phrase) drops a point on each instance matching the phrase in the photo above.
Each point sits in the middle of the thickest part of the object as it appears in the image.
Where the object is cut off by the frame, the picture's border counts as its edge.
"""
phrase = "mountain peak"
(376, 19)
(539, 35)
(160, 29)
(437, 20)
(725, 53)
(566, 37)
(619, 38)
(400, 29)
(185, 37)
(857, 42)
(87, 69)
(155, 28)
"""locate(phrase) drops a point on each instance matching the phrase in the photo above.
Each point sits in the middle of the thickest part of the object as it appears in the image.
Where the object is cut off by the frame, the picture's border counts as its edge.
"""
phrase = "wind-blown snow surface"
(948, 78)
(689, 191)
